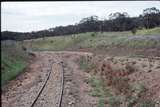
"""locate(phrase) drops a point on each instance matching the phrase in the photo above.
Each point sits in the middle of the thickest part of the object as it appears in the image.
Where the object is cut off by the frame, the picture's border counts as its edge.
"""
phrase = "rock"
(71, 102)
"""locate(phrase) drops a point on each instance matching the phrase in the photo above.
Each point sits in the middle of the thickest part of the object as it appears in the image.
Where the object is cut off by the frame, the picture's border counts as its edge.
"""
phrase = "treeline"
(150, 18)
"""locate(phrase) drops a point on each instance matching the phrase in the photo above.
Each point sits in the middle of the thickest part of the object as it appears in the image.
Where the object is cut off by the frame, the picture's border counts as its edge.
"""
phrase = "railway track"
(46, 80)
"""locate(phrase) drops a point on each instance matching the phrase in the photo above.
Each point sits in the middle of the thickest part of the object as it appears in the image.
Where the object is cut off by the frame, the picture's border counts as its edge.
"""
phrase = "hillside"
(13, 60)
(96, 41)
(111, 69)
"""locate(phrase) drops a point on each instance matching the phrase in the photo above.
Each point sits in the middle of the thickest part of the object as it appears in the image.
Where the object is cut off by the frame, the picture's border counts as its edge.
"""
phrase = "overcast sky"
(33, 16)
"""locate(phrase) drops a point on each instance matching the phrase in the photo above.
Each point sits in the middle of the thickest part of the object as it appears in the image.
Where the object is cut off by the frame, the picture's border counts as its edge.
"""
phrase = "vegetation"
(14, 57)
(13, 60)
(98, 87)
(98, 90)
(117, 22)
(114, 101)
(101, 102)
(138, 32)
(113, 87)
(99, 41)
(96, 83)
(85, 64)
(147, 103)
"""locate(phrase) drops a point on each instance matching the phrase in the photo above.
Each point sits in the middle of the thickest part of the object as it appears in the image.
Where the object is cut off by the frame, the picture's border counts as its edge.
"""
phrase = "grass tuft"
(114, 101)
(85, 64)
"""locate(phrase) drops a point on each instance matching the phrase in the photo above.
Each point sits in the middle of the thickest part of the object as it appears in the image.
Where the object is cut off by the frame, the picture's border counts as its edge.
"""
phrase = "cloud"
(28, 16)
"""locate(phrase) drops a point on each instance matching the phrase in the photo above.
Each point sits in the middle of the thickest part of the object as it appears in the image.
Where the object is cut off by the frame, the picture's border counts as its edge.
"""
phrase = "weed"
(134, 30)
(13, 60)
(51, 41)
(114, 101)
(99, 90)
(98, 87)
(139, 88)
(130, 68)
(131, 100)
(101, 102)
(93, 34)
(121, 85)
(85, 64)
(147, 103)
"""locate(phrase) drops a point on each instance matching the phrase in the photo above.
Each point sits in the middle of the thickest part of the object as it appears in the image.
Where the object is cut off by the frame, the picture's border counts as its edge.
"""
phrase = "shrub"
(134, 30)
(93, 34)
(51, 41)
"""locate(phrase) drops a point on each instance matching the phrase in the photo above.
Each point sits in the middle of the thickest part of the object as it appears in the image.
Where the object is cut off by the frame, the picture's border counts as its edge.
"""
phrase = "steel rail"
(40, 91)
(42, 88)
(62, 86)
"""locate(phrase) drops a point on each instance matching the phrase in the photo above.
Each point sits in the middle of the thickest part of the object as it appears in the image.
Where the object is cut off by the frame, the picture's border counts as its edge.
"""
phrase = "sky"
(34, 16)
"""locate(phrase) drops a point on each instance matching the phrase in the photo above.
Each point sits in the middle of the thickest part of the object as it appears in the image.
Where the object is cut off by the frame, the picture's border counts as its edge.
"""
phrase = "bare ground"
(21, 91)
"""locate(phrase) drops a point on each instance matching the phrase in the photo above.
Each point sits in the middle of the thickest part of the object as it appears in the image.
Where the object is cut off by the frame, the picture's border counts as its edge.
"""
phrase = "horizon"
(17, 17)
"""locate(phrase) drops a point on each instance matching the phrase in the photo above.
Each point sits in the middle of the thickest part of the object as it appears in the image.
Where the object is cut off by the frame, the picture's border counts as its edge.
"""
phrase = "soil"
(23, 90)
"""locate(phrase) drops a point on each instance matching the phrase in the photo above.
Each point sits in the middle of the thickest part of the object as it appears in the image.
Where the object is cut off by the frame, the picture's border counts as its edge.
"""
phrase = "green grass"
(101, 102)
(98, 87)
(97, 40)
(99, 90)
(147, 103)
(13, 61)
(154, 31)
(85, 65)
(114, 101)
(57, 43)
(12, 69)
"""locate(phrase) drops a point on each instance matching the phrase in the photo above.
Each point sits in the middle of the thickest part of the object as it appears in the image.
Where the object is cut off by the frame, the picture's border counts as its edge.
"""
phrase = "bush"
(93, 34)
(134, 30)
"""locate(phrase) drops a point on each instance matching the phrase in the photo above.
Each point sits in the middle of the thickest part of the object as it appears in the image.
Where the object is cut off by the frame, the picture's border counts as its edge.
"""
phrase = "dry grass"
(119, 84)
